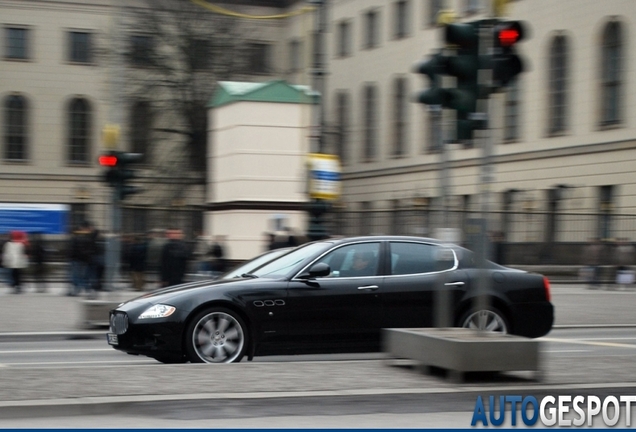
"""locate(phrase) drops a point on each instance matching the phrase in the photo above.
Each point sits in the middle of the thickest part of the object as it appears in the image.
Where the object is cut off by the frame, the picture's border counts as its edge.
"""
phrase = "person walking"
(218, 263)
(37, 252)
(174, 258)
(14, 258)
(625, 259)
(137, 262)
(592, 255)
(82, 251)
(154, 251)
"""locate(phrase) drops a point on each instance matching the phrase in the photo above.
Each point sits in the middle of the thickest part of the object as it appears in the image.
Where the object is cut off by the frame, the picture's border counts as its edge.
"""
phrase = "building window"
(612, 58)
(472, 7)
(16, 43)
(511, 112)
(371, 29)
(79, 130)
(141, 128)
(258, 58)
(402, 17)
(400, 116)
(558, 86)
(141, 51)
(370, 132)
(432, 11)
(295, 56)
(80, 48)
(342, 136)
(15, 124)
(344, 39)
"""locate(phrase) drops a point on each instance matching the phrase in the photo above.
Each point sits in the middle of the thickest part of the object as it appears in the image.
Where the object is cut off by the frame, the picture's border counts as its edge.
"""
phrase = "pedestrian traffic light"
(506, 63)
(118, 172)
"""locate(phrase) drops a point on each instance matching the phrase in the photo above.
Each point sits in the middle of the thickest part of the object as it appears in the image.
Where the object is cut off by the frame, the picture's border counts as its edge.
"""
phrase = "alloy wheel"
(486, 320)
(218, 337)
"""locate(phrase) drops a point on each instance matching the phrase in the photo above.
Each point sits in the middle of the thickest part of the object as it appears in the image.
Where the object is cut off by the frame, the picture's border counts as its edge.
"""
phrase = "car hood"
(172, 292)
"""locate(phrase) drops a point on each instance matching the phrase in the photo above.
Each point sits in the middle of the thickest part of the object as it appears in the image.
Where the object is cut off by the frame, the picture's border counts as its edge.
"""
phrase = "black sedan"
(331, 296)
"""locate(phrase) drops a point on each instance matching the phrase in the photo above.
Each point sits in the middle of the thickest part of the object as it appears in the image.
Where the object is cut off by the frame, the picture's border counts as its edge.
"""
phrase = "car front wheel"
(216, 336)
(489, 319)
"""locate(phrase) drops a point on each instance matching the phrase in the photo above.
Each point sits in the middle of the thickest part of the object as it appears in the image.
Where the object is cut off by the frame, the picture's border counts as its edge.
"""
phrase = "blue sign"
(41, 218)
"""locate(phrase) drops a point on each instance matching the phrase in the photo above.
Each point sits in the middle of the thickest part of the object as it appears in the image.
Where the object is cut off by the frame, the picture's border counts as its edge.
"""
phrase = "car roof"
(341, 240)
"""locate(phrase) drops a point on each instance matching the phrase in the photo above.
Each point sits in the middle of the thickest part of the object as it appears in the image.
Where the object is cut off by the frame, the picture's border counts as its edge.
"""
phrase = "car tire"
(489, 319)
(216, 335)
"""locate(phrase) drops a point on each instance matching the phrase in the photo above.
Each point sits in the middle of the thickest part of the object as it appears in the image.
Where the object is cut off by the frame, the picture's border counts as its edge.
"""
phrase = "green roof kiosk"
(259, 140)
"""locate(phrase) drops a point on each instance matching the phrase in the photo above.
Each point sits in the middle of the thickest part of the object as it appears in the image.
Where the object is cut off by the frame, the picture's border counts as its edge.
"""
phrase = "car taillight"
(546, 285)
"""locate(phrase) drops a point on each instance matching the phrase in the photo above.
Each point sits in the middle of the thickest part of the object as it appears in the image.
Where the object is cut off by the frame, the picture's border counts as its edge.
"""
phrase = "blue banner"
(41, 218)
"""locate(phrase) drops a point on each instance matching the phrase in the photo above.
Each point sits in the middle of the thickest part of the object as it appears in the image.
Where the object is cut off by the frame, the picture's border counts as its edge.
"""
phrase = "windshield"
(284, 265)
(255, 263)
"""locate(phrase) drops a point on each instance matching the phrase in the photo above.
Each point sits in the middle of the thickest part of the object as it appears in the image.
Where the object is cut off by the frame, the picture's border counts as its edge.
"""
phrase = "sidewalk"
(51, 314)
(55, 315)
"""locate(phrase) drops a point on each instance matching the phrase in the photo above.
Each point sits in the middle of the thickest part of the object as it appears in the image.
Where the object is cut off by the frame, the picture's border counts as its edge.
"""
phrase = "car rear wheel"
(488, 319)
(216, 336)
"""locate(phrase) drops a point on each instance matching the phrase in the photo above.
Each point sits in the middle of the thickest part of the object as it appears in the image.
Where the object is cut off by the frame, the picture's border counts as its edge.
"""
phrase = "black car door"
(342, 308)
(422, 281)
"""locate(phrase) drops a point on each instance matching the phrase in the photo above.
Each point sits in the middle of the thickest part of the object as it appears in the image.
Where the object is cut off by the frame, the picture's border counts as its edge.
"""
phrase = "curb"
(109, 405)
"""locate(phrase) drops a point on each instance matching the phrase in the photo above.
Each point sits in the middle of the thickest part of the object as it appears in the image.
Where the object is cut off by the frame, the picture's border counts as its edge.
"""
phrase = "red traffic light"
(508, 37)
(108, 160)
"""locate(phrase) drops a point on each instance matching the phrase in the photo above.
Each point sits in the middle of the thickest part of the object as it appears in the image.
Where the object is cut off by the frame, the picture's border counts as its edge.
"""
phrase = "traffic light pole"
(486, 172)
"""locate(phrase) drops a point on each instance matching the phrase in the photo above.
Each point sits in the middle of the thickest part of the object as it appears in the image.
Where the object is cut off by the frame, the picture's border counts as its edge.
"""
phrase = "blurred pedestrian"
(156, 241)
(174, 258)
(201, 254)
(37, 253)
(97, 265)
(5, 272)
(218, 261)
(137, 262)
(281, 240)
(592, 257)
(15, 258)
(625, 254)
(82, 251)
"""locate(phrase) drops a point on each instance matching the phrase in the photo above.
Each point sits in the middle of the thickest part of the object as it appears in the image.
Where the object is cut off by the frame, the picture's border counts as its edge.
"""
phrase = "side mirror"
(317, 270)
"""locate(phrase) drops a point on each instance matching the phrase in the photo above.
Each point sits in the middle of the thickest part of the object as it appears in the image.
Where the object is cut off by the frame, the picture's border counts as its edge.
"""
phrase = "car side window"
(356, 260)
(414, 258)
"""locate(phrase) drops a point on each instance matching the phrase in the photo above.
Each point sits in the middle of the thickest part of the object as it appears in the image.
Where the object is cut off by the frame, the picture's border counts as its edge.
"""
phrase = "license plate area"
(112, 339)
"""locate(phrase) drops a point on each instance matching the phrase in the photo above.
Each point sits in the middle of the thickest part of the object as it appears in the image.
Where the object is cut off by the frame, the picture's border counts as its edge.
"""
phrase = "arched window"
(558, 110)
(369, 108)
(342, 126)
(400, 116)
(79, 130)
(612, 74)
(15, 128)
(141, 128)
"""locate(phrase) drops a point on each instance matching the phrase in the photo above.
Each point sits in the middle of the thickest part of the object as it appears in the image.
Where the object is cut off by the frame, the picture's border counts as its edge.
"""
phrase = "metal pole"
(113, 247)
(442, 298)
(318, 76)
(317, 207)
(486, 174)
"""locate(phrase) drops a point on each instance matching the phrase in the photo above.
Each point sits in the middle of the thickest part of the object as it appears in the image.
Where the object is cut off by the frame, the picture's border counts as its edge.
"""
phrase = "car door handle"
(369, 288)
(454, 283)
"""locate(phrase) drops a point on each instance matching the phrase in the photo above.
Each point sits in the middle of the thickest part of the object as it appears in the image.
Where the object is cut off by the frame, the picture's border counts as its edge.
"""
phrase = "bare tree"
(175, 54)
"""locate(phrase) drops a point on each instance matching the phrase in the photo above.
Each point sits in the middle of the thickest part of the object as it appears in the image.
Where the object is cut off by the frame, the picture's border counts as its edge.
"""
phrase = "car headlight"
(158, 311)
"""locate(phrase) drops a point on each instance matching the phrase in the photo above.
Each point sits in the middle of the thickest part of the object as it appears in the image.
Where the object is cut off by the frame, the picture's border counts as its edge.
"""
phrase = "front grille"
(118, 323)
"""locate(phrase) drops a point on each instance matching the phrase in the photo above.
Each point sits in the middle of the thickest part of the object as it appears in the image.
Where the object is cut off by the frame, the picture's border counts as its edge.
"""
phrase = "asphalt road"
(85, 383)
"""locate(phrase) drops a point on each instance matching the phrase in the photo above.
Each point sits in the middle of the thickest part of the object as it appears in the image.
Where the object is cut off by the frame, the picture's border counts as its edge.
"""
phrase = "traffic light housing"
(506, 63)
(459, 59)
(118, 172)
